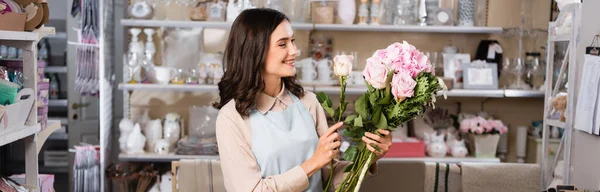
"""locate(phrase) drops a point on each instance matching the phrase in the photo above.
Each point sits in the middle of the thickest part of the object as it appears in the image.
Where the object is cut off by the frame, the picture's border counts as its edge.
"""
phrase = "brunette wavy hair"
(244, 57)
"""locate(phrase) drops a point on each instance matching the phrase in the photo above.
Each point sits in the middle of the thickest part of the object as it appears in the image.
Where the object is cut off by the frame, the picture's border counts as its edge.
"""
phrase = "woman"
(272, 135)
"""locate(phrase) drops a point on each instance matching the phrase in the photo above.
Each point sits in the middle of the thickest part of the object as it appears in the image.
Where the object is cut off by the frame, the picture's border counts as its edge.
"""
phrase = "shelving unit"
(30, 132)
(565, 145)
(310, 26)
(152, 157)
(351, 90)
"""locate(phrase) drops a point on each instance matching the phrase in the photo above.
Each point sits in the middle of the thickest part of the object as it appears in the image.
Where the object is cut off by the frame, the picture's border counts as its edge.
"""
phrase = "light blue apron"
(285, 139)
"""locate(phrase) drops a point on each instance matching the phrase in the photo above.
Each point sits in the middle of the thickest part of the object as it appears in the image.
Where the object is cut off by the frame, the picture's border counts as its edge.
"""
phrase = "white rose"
(342, 65)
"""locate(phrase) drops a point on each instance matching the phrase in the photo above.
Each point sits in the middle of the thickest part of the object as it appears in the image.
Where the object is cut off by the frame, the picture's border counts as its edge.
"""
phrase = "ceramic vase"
(486, 145)
(153, 132)
(346, 11)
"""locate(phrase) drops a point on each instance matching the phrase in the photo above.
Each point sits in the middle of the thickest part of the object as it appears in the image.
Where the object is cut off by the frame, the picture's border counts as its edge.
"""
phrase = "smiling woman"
(271, 134)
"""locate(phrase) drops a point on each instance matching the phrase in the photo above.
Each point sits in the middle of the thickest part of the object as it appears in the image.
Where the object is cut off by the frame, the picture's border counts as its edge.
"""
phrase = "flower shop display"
(401, 84)
(485, 133)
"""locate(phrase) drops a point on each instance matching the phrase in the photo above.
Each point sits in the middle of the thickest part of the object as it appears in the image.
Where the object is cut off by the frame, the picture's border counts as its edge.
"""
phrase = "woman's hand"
(327, 149)
(383, 142)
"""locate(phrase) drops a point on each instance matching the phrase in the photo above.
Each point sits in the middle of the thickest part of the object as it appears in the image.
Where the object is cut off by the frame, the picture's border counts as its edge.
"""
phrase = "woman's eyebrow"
(285, 38)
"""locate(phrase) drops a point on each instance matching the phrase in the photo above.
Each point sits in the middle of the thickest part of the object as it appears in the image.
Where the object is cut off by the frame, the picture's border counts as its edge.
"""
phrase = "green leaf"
(329, 111)
(382, 124)
(369, 87)
(349, 119)
(358, 122)
(350, 153)
(387, 96)
(373, 97)
(376, 115)
(322, 97)
(360, 106)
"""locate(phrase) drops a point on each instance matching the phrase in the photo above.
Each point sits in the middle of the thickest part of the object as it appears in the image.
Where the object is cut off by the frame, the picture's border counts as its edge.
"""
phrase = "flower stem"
(342, 108)
(364, 170)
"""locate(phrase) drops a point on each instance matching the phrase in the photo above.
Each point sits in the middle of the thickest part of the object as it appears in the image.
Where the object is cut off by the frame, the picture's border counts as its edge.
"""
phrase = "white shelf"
(408, 28)
(441, 160)
(20, 133)
(168, 87)
(58, 103)
(152, 157)
(56, 69)
(51, 127)
(498, 93)
(26, 36)
(523, 93)
(193, 24)
(556, 123)
(325, 27)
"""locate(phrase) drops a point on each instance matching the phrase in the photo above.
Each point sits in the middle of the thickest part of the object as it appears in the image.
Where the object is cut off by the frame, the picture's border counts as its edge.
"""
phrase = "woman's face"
(282, 52)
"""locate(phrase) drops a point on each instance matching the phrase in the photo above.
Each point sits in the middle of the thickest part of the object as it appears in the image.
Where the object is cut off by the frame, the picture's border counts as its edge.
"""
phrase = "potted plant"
(485, 134)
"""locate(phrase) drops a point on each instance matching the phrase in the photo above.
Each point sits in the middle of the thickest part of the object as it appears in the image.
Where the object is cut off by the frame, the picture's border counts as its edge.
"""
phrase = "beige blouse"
(240, 169)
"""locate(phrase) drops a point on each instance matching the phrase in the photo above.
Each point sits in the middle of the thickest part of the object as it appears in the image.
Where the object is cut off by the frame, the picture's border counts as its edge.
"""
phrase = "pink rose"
(465, 125)
(375, 73)
(381, 54)
(480, 123)
(499, 126)
(503, 129)
(489, 125)
(403, 86)
(478, 130)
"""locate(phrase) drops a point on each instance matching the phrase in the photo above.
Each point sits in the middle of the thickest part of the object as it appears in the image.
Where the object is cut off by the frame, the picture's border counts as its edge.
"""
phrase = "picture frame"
(453, 67)
(480, 75)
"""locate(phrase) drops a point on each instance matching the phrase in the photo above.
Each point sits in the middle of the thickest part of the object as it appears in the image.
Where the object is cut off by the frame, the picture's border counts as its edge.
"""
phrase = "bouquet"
(400, 85)
(481, 126)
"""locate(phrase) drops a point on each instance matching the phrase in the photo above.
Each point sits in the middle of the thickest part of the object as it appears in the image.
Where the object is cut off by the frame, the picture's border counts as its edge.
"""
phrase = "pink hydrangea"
(403, 86)
(375, 73)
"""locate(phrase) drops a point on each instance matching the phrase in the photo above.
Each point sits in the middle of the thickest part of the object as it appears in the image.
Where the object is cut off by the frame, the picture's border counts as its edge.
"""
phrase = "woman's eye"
(282, 45)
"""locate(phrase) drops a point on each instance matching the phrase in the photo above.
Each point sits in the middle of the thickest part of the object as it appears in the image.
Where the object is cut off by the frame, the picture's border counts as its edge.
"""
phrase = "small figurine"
(161, 146)
(165, 182)
(125, 128)
(136, 141)
(171, 128)
(459, 149)
(437, 147)
(363, 12)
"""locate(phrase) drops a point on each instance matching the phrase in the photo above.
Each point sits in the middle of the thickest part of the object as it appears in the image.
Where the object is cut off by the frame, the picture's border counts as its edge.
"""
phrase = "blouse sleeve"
(240, 169)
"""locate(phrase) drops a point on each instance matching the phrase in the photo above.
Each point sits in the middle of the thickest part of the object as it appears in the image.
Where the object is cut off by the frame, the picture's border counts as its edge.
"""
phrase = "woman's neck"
(272, 85)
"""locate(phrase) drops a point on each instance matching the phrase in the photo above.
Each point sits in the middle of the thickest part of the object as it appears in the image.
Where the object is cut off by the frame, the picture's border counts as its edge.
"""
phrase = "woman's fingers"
(372, 149)
(384, 132)
(332, 129)
(373, 137)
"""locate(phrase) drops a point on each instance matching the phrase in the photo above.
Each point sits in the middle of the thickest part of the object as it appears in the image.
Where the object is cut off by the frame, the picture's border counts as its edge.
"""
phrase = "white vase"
(486, 145)
(346, 11)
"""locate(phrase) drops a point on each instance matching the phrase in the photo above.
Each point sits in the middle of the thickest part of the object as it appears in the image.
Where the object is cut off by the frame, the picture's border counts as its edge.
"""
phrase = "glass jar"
(200, 11)
(179, 77)
(216, 11)
(192, 77)
(323, 12)
(405, 12)
(294, 9)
